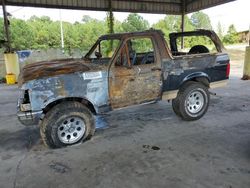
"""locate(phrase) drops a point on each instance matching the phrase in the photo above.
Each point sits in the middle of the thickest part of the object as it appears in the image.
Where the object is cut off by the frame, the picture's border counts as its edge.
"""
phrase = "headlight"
(24, 101)
(25, 107)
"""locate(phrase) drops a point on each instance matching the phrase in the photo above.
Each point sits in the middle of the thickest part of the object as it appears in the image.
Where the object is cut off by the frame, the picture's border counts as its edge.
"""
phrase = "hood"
(55, 67)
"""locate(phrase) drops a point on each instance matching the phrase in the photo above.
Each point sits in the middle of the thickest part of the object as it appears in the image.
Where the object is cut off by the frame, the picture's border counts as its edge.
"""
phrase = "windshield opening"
(103, 50)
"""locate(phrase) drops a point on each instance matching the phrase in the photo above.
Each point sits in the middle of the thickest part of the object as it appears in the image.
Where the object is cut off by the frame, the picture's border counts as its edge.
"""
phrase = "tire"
(176, 107)
(193, 101)
(67, 123)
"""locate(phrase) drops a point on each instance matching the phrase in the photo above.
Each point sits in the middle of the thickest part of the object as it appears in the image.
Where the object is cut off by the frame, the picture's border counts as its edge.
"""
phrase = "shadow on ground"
(19, 140)
(28, 138)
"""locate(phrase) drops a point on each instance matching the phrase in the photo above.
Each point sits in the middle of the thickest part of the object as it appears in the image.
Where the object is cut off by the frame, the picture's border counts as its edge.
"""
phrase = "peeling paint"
(108, 86)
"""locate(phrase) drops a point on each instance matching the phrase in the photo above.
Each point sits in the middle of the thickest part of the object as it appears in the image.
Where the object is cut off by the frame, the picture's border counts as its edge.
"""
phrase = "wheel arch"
(197, 77)
(84, 101)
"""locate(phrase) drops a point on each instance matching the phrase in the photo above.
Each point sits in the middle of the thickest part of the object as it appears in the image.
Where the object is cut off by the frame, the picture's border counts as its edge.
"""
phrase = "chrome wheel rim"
(71, 130)
(194, 102)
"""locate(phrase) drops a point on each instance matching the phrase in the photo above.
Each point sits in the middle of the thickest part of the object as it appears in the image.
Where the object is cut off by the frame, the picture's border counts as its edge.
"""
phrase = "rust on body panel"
(121, 89)
(52, 68)
(55, 67)
(128, 85)
(125, 79)
(134, 87)
(138, 83)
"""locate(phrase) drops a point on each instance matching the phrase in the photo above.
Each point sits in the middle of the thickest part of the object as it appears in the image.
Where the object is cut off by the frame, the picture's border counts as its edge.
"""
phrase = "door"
(135, 74)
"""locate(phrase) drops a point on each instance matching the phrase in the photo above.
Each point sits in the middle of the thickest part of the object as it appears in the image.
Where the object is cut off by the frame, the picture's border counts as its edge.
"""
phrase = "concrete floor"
(144, 146)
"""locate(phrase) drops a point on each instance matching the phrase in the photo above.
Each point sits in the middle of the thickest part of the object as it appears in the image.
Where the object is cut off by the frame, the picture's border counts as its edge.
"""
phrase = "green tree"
(70, 37)
(88, 33)
(86, 18)
(172, 23)
(1, 29)
(118, 26)
(46, 32)
(21, 35)
(2, 37)
(134, 22)
(110, 22)
(231, 37)
(201, 20)
(110, 25)
(220, 30)
(168, 24)
(43, 33)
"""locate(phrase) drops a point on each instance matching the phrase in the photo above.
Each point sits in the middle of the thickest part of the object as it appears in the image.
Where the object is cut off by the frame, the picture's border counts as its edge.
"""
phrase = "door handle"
(155, 69)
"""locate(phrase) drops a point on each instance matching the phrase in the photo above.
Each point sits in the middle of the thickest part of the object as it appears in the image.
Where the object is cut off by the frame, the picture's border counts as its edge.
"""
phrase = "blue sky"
(236, 13)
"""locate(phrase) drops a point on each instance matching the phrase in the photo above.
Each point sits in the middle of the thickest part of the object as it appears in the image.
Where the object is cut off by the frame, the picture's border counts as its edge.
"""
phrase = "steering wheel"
(197, 49)
(145, 58)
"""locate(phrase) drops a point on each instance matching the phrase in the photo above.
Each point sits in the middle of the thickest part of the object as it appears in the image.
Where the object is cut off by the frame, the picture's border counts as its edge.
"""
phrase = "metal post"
(6, 27)
(246, 69)
(183, 21)
(182, 29)
(111, 18)
(249, 36)
(110, 24)
(61, 29)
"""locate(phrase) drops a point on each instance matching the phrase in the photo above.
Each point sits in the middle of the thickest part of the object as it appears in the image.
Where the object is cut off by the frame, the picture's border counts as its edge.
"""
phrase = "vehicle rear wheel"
(193, 101)
(176, 106)
(67, 123)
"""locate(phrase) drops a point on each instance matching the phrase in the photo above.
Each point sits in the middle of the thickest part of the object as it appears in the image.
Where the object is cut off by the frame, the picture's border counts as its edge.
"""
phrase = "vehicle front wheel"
(192, 101)
(67, 123)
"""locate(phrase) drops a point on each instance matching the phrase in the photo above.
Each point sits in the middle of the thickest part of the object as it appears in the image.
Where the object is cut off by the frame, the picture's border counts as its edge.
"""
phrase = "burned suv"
(120, 70)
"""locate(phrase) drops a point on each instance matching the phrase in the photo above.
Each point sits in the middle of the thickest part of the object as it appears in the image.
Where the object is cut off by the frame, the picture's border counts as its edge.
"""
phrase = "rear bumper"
(218, 84)
(29, 118)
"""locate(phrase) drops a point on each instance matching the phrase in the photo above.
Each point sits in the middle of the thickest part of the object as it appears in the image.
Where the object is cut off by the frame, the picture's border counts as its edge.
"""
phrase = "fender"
(46, 91)
(202, 77)
(92, 107)
(194, 76)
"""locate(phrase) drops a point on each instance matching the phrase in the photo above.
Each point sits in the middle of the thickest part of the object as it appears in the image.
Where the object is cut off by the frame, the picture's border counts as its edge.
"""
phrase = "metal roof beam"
(139, 6)
(196, 5)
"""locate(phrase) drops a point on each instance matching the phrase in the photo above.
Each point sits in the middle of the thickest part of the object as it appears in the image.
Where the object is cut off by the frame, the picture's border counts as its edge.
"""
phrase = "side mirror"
(98, 54)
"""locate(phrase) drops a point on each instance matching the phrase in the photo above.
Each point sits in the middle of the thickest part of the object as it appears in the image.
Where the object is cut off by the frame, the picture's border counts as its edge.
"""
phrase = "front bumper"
(29, 118)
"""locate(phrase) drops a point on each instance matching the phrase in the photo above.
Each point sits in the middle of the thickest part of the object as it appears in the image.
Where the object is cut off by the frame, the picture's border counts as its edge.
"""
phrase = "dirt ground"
(143, 146)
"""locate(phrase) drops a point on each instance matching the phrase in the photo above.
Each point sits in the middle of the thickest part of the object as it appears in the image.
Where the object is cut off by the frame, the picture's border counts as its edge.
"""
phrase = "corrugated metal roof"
(140, 6)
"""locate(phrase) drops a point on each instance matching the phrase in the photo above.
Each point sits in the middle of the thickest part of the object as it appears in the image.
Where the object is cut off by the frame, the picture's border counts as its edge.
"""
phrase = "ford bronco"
(121, 70)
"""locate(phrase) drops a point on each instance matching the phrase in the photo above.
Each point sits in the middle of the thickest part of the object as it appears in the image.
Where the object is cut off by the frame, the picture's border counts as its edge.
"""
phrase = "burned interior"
(203, 41)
